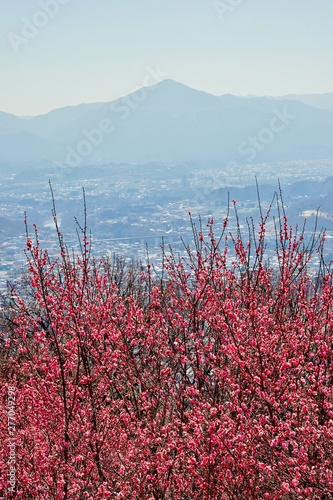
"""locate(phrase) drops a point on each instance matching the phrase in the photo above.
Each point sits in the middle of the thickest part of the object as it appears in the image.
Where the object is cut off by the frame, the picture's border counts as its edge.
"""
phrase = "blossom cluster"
(213, 381)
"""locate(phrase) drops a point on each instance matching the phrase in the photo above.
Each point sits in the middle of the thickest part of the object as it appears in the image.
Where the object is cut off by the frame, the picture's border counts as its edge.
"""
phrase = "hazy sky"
(59, 52)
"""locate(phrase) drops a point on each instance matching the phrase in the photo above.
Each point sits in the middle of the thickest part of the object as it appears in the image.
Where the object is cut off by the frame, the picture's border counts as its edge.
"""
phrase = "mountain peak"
(170, 85)
(171, 121)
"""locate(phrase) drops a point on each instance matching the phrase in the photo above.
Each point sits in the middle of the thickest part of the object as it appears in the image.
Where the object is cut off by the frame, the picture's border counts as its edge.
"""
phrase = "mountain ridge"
(170, 121)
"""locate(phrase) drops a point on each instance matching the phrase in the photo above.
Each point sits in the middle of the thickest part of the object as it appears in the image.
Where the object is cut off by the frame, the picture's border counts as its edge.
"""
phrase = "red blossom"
(212, 383)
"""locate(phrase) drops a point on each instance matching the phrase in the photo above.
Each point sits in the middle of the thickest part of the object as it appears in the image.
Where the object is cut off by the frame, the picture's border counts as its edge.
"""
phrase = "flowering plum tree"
(214, 381)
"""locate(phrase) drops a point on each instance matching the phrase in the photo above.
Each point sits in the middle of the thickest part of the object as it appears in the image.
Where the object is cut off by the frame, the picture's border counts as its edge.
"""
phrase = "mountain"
(170, 122)
(322, 101)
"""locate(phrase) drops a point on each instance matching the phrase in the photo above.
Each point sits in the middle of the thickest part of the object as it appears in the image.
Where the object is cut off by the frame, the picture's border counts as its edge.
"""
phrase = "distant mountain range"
(170, 122)
(323, 101)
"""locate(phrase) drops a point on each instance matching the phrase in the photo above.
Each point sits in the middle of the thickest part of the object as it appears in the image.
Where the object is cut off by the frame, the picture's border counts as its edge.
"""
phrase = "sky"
(55, 53)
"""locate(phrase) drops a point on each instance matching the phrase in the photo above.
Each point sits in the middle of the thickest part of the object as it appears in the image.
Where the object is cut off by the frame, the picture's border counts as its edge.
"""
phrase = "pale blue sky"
(97, 50)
